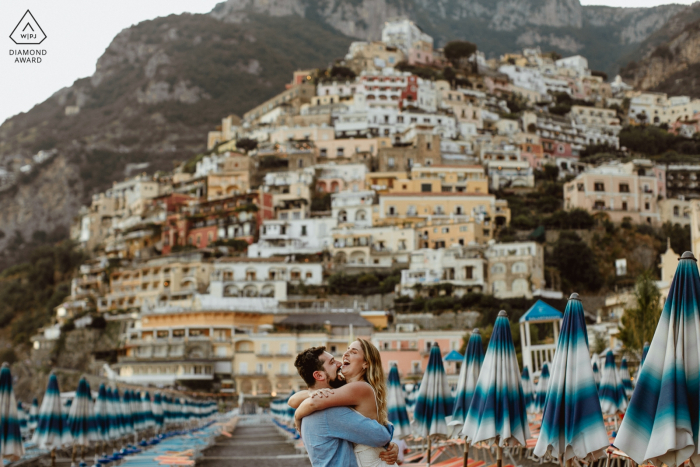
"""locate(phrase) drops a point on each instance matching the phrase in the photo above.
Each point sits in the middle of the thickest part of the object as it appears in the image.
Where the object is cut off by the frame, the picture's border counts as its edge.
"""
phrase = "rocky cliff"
(672, 65)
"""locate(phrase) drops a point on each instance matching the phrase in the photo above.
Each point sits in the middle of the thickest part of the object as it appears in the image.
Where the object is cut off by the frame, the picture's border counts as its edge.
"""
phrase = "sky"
(78, 32)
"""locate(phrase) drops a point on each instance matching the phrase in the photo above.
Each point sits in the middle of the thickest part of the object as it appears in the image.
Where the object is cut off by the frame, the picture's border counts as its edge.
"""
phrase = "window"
(390, 162)
(426, 187)
(340, 152)
(600, 204)
(392, 211)
(646, 206)
(178, 333)
(303, 230)
(323, 152)
(624, 188)
(624, 205)
(300, 163)
(469, 272)
(599, 186)
(676, 211)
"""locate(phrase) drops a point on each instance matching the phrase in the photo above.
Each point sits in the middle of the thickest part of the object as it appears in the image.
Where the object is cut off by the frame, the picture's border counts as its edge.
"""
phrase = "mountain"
(602, 34)
(162, 84)
(157, 89)
(670, 59)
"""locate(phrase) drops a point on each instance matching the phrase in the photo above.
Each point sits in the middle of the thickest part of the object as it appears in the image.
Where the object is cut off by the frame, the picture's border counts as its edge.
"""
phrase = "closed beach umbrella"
(51, 431)
(645, 351)
(396, 406)
(497, 412)
(625, 378)
(661, 423)
(147, 411)
(23, 419)
(11, 442)
(34, 414)
(612, 394)
(468, 376)
(101, 414)
(542, 385)
(81, 418)
(528, 391)
(115, 415)
(157, 409)
(595, 364)
(411, 398)
(434, 402)
(127, 416)
(572, 424)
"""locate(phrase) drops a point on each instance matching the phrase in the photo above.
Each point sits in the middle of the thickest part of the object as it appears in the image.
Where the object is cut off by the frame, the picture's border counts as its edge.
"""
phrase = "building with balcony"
(515, 269)
(618, 190)
(380, 247)
(354, 208)
(463, 268)
(675, 211)
(511, 174)
(293, 237)
(682, 180)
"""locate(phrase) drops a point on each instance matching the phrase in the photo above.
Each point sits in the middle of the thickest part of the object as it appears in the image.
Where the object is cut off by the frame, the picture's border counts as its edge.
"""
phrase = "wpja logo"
(28, 32)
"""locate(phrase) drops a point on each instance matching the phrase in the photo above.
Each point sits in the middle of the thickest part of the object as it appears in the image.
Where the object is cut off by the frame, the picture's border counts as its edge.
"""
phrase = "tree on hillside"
(246, 144)
(576, 263)
(639, 322)
(458, 52)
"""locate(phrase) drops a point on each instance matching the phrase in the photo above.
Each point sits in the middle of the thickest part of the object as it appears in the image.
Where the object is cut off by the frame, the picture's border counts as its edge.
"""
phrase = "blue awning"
(453, 356)
(540, 311)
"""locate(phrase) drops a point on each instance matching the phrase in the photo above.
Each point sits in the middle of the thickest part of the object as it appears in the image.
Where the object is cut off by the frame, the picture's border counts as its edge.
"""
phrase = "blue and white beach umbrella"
(11, 437)
(34, 414)
(612, 394)
(128, 416)
(114, 407)
(625, 378)
(147, 410)
(157, 409)
(23, 419)
(137, 410)
(528, 390)
(595, 364)
(51, 431)
(572, 423)
(411, 398)
(81, 418)
(466, 385)
(396, 406)
(434, 402)
(645, 351)
(542, 386)
(101, 414)
(661, 423)
(497, 411)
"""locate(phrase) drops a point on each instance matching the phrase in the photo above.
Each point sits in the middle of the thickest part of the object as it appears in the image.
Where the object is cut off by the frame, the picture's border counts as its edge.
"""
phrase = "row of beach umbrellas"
(574, 392)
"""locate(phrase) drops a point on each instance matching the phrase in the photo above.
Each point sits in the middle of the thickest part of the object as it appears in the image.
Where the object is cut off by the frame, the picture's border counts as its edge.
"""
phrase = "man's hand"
(297, 424)
(391, 455)
(321, 393)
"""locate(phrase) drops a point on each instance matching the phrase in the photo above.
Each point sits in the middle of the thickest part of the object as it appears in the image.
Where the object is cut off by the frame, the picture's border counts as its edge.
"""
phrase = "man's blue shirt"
(328, 436)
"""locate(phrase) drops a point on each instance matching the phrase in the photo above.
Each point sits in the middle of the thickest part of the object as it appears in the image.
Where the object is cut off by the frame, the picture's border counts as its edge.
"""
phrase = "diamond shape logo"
(28, 31)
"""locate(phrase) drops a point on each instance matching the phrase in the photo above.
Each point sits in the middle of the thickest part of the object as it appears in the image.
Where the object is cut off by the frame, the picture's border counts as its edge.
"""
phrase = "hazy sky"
(78, 32)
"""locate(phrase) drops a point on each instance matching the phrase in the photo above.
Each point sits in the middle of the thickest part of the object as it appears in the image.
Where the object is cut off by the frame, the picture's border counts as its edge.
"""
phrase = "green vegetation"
(563, 103)
(246, 144)
(458, 52)
(639, 322)
(31, 290)
(576, 263)
(363, 284)
(655, 141)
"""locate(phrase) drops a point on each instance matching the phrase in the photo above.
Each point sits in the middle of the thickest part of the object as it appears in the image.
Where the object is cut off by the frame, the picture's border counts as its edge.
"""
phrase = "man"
(329, 434)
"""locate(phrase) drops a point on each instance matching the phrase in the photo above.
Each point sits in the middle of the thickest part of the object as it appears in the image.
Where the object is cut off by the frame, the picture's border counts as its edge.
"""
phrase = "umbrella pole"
(75, 450)
(82, 452)
(53, 457)
(429, 447)
(466, 454)
(499, 456)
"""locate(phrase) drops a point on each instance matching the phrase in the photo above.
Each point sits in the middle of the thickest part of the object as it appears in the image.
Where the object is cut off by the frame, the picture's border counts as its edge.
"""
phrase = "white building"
(353, 208)
(508, 173)
(293, 237)
(382, 247)
(461, 267)
(515, 269)
(404, 34)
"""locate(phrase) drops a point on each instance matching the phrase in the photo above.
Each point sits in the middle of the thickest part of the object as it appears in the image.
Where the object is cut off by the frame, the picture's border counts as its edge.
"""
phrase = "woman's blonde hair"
(374, 375)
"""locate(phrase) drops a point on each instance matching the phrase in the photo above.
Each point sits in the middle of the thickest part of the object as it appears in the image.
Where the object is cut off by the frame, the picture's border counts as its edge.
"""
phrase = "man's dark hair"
(308, 362)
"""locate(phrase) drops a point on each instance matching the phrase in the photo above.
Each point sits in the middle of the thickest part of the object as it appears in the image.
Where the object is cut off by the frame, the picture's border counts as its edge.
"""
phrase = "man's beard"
(337, 382)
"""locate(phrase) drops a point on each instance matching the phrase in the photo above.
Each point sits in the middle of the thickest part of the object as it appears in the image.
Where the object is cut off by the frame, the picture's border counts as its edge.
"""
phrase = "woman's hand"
(322, 393)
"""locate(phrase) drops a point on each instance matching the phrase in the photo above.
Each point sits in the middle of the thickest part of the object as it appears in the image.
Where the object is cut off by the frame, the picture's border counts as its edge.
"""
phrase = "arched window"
(519, 267)
(498, 268)
(520, 286)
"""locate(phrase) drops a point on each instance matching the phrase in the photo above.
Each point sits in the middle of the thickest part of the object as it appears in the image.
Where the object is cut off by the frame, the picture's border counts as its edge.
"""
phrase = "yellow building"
(195, 349)
(444, 233)
(234, 180)
(484, 209)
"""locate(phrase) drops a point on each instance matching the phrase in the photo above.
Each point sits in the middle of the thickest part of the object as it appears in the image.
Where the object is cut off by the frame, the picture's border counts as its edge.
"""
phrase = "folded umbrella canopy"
(147, 411)
(81, 418)
(396, 405)
(645, 351)
(51, 431)
(115, 412)
(23, 419)
(542, 385)
(101, 413)
(497, 412)
(11, 442)
(595, 364)
(625, 378)
(127, 415)
(434, 402)
(572, 421)
(661, 423)
(157, 409)
(34, 414)
(468, 376)
(528, 390)
(611, 392)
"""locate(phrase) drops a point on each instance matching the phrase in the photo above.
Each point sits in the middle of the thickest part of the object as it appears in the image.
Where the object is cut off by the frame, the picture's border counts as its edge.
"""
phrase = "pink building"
(409, 351)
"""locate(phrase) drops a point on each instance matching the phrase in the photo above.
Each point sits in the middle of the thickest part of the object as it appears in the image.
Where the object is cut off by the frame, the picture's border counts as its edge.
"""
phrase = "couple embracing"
(342, 417)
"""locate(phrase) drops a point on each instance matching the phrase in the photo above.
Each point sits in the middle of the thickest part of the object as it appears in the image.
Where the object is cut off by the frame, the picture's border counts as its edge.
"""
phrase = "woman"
(365, 392)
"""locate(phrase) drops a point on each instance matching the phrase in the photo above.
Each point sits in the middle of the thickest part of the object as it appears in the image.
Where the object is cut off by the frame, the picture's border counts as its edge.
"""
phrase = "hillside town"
(395, 171)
